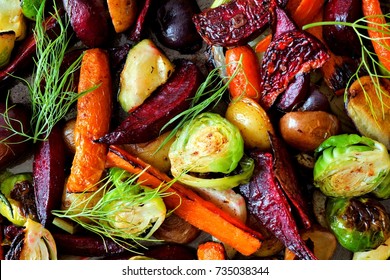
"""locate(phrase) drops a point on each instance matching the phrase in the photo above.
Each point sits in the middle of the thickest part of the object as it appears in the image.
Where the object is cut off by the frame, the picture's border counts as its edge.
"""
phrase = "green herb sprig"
(50, 90)
(212, 89)
(94, 211)
(369, 63)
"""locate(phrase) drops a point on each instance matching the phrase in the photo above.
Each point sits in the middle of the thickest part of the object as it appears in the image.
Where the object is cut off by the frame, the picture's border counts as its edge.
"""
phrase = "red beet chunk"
(172, 98)
(234, 23)
(49, 175)
(266, 202)
(290, 53)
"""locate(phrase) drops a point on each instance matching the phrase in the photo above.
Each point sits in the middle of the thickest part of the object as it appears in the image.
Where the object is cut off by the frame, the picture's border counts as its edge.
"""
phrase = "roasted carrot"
(317, 30)
(262, 45)
(211, 251)
(189, 206)
(246, 82)
(378, 31)
(304, 11)
(92, 122)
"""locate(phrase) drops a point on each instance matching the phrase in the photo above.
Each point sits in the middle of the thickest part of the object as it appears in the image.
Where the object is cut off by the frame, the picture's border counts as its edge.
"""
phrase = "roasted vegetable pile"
(224, 129)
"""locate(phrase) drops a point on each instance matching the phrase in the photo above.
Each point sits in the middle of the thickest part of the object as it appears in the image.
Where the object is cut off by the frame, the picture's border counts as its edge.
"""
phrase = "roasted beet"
(316, 101)
(342, 40)
(290, 53)
(145, 123)
(49, 175)
(267, 202)
(139, 26)
(89, 20)
(295, 93)
(338, 70)
(87, 245)
(174, 27)
(234, 23)
(285, 173)
(171, 252)
(13, 146)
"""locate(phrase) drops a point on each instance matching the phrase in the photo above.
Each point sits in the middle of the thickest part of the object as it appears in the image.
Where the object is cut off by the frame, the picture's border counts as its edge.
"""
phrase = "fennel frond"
(120, 210)
(369, 63)
(209, 94)
(50, 89)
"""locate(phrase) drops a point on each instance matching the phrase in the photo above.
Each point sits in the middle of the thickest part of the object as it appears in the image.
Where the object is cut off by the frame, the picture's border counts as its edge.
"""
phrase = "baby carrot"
(92, 122)
(378, 30)
(304, 11)
(247, 80)
(211, 251)
(262, 45)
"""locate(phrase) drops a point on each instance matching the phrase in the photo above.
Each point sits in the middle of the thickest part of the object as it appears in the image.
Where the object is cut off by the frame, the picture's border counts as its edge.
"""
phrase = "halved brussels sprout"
(17, 201)
(121, 208)
(132, 211)
(39, 244)
(350, 165)
(383, 190)
(33, 243)
(7, 43)
(358, 223)
(380, 253)
(209, 146)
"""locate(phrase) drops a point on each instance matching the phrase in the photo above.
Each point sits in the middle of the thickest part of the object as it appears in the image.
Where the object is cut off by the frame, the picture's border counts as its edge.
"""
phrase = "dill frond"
(369, 63)
(117, 209)
(50, 90)
(208, 95)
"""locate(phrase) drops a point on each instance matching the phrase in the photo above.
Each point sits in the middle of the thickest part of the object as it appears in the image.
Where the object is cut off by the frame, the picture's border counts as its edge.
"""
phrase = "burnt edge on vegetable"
(146, 122)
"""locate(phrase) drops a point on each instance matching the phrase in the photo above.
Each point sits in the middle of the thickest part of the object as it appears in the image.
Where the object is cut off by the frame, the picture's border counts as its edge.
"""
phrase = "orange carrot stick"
(92, 122)
(263, 44)
(247, 80)
(304, 11)
(189, 206)
(381, 35)
(211, 251)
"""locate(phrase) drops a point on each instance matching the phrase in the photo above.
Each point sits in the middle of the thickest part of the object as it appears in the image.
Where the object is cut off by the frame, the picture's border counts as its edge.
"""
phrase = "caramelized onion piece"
(175, 229)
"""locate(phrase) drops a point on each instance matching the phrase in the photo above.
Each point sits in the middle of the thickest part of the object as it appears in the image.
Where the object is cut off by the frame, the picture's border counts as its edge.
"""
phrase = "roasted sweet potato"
(122, 13)
(145, 123)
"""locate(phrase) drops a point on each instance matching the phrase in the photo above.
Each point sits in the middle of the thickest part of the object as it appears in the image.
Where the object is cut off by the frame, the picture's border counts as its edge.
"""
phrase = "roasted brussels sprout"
(359, 223)
(17, 202)
(380, 253)
(137, 210)
(121, 208)
(207, 152)
(350, 165)
(33, 243)
(383, 190)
